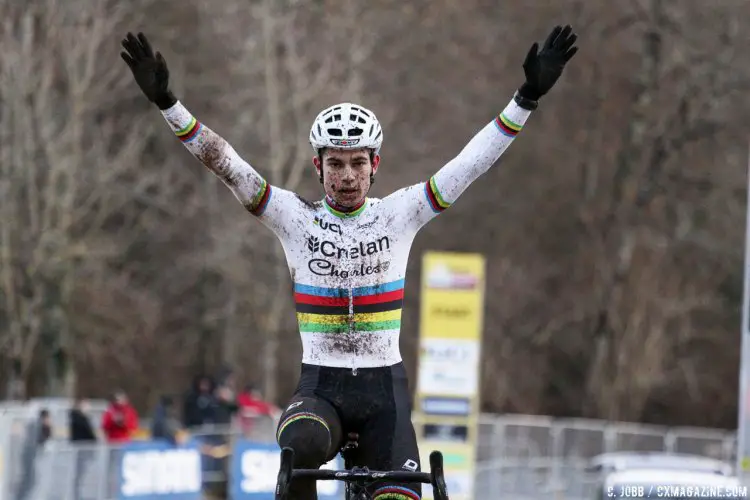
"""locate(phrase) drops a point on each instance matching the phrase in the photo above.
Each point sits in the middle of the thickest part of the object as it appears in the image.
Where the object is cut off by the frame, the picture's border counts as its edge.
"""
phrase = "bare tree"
(674, 105)
(612, 227)
(73, 169)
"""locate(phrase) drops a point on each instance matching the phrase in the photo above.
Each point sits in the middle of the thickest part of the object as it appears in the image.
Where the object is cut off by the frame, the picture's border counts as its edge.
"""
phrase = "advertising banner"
(151, 470)
(255, 467)
(447, 401)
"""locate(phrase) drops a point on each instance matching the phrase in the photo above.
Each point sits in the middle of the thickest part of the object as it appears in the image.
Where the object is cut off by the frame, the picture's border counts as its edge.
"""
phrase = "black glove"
(150, 71)
(544, 68)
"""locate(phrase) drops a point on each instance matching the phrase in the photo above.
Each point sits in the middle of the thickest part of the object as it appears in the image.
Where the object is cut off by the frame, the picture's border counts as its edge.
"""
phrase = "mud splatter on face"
(346, 175)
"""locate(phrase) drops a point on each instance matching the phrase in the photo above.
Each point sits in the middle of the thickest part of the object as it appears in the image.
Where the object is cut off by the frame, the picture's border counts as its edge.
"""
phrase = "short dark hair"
(322, 151)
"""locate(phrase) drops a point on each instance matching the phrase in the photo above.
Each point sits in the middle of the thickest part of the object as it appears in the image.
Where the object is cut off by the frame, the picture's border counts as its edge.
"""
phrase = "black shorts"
(372, 402)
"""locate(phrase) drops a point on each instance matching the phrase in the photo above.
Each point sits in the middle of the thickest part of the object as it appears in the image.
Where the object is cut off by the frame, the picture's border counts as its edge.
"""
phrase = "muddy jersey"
(348, 268)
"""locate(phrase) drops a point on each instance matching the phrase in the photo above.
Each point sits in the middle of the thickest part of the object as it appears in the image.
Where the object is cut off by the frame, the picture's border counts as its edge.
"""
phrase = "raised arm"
(275, 207)
(542, 69)
(482, 151)
(220, 158)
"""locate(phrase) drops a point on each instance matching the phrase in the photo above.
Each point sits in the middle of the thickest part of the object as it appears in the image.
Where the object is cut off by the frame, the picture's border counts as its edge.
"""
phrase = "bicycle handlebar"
(345, 475)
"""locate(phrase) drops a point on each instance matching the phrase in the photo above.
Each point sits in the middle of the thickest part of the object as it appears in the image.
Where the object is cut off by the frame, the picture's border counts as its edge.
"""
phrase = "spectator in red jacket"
(251, 406)
(120, 420)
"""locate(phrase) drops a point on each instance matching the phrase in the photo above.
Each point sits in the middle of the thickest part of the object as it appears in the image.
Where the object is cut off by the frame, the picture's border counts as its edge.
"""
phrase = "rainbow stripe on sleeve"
(260, 202)
(506, 126)
(343, 310)
(437, 203)
(190, 131)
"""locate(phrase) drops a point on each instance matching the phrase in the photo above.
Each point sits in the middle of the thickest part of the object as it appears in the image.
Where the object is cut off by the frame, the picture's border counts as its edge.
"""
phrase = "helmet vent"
(348, 126)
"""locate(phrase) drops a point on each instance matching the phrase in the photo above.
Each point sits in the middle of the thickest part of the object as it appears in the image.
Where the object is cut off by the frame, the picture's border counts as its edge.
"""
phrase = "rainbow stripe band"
(304, 415)
(437, 203)
(342, 310)
(506, 126)
(343, 215)
(191, 131)
(395, 493)
(260, 202)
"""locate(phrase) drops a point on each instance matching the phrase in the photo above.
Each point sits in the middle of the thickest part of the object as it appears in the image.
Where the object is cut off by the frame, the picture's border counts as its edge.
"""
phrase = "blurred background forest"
(613, 227)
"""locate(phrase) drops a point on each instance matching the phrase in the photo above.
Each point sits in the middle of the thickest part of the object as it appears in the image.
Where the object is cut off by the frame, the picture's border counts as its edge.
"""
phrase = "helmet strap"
(320, 159)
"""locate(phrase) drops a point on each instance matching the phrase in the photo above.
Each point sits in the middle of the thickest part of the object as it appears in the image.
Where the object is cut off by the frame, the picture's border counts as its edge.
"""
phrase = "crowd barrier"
(521, 456)
(210, 462)
(156, 470)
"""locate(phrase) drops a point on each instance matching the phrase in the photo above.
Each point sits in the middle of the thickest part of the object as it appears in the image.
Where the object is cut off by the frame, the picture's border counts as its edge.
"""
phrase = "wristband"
(525, 103)
(166, 100)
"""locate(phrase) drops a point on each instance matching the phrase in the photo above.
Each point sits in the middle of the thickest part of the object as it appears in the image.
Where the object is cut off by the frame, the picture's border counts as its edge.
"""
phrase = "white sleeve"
(425, 201)
(276, 208)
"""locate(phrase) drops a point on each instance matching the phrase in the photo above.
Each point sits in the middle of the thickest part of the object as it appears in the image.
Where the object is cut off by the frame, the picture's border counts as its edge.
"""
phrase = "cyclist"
(347, 256)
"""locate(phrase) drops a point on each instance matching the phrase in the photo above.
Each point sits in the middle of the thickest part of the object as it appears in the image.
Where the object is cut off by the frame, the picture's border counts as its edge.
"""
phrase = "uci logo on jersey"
(329, 226)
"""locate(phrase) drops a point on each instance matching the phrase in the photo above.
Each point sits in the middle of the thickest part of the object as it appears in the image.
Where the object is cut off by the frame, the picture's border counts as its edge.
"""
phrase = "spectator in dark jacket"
(226, 405)
(199, 406)
(81, 433)
(81, 429)
(163, 424)
(226, 399)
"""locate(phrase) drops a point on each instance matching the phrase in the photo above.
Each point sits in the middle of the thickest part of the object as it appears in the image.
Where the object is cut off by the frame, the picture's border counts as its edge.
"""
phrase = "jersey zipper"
(351, 321)
(351, 311)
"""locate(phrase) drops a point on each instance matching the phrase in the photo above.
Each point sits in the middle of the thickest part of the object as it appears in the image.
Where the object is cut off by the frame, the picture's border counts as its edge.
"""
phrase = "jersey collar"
(346, 215)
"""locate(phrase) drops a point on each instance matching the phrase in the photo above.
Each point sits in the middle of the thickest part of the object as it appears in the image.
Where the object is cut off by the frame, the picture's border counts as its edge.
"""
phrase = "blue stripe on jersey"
(344, 292)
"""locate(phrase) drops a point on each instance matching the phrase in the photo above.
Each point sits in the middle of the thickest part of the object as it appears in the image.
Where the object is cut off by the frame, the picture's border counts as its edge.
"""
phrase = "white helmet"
(346, 126)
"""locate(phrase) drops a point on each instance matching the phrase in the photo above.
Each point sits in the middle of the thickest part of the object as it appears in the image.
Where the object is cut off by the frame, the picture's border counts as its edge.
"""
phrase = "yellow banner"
(447, 403)
(452, 296)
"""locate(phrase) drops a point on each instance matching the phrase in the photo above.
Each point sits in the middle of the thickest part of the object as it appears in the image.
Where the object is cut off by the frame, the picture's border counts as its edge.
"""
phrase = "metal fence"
(216, 443)
(519, 456)
(61, 470)
(529, 456)
(20, 458)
